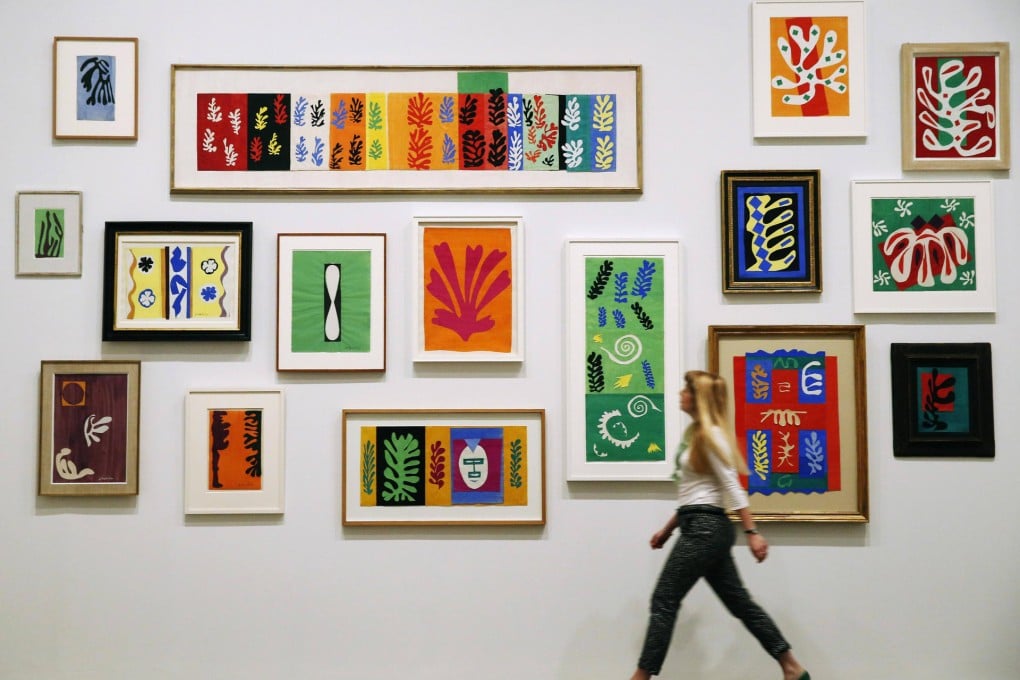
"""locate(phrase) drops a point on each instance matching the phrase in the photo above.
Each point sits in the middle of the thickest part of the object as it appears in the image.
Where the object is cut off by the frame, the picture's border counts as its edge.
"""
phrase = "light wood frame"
(400, 467)
(982, 95)
(594, 147)
(120, 123)
(88, 428)
(29, 259)
(808, 489)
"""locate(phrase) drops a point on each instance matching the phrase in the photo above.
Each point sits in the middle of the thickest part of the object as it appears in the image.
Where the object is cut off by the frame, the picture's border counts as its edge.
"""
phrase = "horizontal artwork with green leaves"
(443, 465)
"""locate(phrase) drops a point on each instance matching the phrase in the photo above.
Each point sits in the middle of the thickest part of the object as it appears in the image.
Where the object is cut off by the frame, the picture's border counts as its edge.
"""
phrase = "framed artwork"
(955, 106)
(95, 88)
(48, 233)
(624, 345)
(799, 405)
(771, 234)
(331, 302)
(942, 400)
(809, 69)
(88, 428)
(469, 289)
(234, 452)
(475, 466)
(381, 129)
(177, 281)
(923, 247)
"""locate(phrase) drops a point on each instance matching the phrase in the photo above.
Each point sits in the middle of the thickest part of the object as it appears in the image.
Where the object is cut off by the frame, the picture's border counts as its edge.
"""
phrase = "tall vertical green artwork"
(624, 418)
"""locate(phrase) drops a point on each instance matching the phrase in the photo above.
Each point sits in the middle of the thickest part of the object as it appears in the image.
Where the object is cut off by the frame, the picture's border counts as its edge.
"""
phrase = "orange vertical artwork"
(468, 291)
(809, 66)
(235, 450)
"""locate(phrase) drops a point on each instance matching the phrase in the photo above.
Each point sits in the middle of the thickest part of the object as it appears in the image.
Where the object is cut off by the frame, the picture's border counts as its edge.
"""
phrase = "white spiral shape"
(640, 406)
(626, 349)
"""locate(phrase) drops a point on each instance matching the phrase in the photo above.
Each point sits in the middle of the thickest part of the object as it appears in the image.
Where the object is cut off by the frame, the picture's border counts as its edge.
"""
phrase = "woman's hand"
(660, 537)
(759, 546)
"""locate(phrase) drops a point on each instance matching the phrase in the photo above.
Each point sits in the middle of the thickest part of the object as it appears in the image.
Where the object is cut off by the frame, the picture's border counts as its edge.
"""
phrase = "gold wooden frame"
(908, 101)
(71, 466)
(850, 502)
(806, 274)
(190, 82)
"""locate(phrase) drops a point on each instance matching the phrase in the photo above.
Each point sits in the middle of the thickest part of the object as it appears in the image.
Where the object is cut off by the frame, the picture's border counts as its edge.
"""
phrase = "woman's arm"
(755, 541)
(660, 537)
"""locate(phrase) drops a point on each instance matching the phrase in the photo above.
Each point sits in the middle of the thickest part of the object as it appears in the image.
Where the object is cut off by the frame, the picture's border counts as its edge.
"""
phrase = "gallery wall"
(131, 587)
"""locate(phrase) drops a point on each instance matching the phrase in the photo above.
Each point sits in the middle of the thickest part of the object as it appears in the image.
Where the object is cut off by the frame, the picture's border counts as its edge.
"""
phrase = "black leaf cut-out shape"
(497, 149)
(642, 316)
(598, 286)
(529, 112)
(469, 111)
(497, 106)
(336, 158)
(596, 373)
(356, 149)
(939, 392)
(357, 112)
(473, 149)
(318, 114)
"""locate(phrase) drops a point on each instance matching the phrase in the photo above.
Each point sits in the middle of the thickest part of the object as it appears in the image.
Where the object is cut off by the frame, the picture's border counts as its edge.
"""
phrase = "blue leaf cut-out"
(643, 279)
(449, 150)
(446, 110)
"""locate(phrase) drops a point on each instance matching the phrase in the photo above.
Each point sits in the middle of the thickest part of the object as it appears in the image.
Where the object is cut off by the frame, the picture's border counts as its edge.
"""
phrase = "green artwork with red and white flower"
(921, 244)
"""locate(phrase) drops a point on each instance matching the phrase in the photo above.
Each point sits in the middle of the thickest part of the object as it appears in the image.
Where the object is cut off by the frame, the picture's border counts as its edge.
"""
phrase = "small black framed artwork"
(177, 281)
(942, 400)
(770, 231)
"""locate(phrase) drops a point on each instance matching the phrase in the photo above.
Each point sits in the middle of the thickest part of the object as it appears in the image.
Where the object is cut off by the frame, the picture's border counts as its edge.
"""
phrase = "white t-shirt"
(719, 487)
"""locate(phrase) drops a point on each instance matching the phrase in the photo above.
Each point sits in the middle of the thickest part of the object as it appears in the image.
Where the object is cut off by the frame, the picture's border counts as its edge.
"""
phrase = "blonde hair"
(711, 409)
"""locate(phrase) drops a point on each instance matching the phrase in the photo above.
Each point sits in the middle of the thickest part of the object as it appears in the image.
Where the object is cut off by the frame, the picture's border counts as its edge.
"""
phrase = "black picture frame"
(785, 255)
(165, 281)
(943, 415)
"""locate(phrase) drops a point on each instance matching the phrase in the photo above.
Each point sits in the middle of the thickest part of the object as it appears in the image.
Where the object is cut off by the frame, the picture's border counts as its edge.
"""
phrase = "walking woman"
(706, 472)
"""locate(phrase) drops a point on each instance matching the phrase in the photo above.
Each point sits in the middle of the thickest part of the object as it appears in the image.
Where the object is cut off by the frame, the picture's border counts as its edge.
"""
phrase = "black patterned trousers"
(703, 550)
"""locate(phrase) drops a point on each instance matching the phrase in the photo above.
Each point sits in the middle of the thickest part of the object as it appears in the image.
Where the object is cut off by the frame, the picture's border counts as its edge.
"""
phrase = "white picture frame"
(884, 222)
(48, 233)
(845, 84)
(200, 459)
(355, 295)
(95, 88)
(584, 459)
(454, 308)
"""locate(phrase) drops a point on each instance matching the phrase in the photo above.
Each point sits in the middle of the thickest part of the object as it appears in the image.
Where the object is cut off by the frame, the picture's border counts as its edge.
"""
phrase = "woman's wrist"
(752, 531)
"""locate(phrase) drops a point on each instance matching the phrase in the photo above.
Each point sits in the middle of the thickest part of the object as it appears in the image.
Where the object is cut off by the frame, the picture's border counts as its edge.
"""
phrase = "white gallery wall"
(131, 588)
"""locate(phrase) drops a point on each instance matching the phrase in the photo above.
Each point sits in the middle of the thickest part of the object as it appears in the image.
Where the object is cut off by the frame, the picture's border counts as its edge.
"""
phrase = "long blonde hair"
(711, 409)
